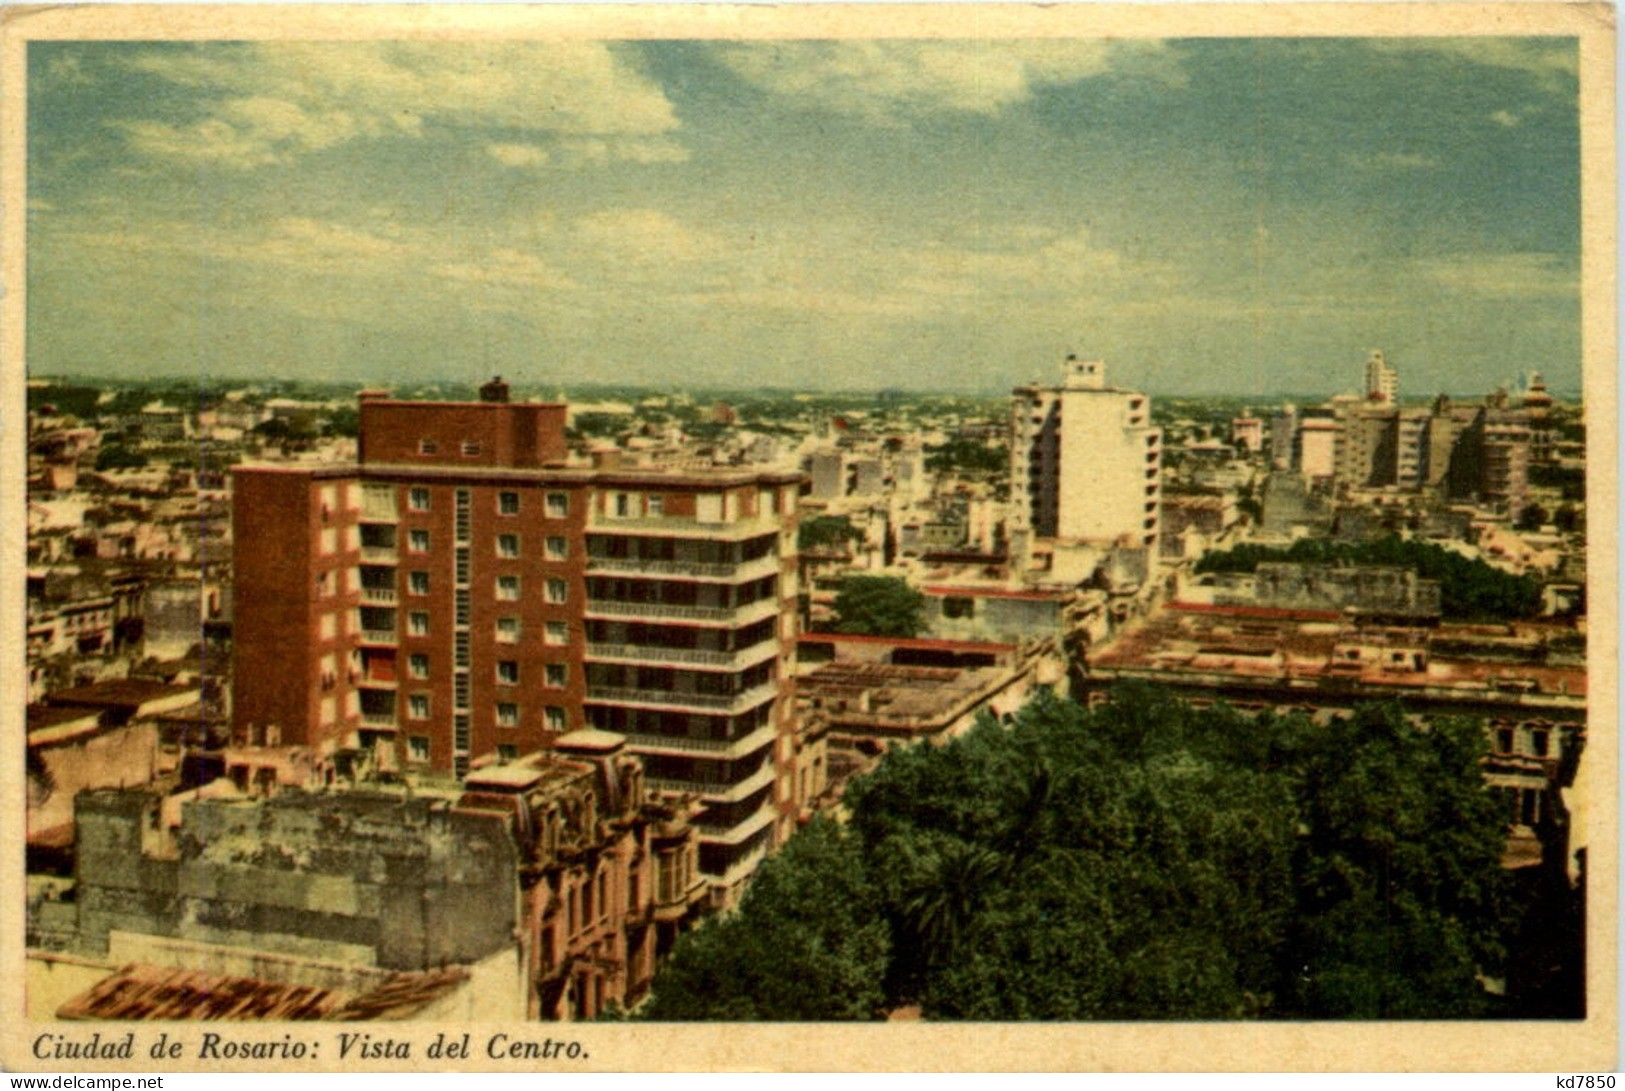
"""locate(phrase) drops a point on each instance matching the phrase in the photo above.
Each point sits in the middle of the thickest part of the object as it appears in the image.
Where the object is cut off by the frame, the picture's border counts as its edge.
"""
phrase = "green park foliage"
(1469, 589)
(878, 606)
(826, 532)
(969, 457)
(1141, 860)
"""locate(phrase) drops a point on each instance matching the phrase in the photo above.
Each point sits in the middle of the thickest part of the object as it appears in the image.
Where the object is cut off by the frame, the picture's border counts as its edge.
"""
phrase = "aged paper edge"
(1577, 1046)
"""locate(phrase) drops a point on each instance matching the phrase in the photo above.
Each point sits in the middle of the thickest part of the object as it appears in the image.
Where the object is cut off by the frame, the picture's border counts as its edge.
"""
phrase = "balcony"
(730, 704)
(730, 572)
(384, 595)
(671, 526)
(378, 719)
(741, 868)
(716, 791)
(729, 749)
(378, 554)
(378, 636)
(664, 611)
(739, 832)
(687, 657)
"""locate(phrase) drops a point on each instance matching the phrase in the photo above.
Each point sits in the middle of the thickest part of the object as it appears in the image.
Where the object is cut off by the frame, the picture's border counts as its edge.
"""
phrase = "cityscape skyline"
(950, 214)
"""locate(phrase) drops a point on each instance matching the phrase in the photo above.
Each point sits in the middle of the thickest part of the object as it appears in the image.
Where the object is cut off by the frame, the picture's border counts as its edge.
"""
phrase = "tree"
(878, 606)
(1402, 900)
(826, 532)
(968, 456)
(1469, 589)
(805, 944)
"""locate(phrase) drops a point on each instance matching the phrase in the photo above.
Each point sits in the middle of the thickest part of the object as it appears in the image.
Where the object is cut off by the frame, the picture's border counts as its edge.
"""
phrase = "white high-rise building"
(1381, 380)
(1085, 461)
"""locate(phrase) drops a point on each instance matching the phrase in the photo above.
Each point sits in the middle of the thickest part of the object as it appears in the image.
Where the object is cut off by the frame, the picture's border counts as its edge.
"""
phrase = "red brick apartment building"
(464, 593)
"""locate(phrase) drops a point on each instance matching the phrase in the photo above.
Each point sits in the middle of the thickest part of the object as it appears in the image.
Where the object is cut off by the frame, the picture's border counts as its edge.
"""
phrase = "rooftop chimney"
(494, 391)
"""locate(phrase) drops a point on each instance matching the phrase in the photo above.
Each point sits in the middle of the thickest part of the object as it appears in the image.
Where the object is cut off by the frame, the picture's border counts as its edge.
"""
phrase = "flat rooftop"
(1287, 646)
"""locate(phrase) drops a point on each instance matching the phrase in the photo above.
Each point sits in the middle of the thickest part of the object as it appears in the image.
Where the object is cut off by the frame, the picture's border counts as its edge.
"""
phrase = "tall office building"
(1381, 380)
(463, 592)
(1086, 463)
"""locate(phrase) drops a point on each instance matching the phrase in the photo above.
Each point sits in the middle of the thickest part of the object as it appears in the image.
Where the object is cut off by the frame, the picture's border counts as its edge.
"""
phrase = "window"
(417, 665)
(508, 503)
(557, 549)
(657, 504)
(1541, 741)
(558, 505)
(508, 588)
(427, 446)
(507, 630)
(329, 626)
(417, 541)
(557, 590)
(418, 582)
(417, 706)
(555, 718)
(471, 447)
(417, 748)
(330, 540)
(557, 632)
(507, 714)
(507, 545)
(508, 672)
(417, 623)
(556, 675)
(623, 505)
(417, 499)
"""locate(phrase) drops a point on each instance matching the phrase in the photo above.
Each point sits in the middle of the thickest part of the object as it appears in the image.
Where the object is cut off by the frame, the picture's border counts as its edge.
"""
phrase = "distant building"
(1284, 438)
(1317, 460)
(1085, 460)
(1247, 433)
(1381, 379)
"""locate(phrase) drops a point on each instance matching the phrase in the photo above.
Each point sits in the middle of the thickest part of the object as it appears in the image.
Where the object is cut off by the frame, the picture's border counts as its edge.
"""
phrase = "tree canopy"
(1140, 860)
(1469, 589)
(878, 606)
(826, 531)
(968, 456)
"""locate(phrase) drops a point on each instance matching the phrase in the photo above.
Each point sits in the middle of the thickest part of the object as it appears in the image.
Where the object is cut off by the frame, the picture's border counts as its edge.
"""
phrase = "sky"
(1209, 216)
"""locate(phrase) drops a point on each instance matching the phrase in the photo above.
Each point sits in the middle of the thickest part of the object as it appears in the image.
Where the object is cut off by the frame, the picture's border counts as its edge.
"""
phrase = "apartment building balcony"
(665, 655)
(378, 636)
(688, 746)
(383, 595)
(729, 572)
(672, 526)
(378, 554)
(750, 612)
(740, 832)
(378, 719)
(741, 868)
(713, 791)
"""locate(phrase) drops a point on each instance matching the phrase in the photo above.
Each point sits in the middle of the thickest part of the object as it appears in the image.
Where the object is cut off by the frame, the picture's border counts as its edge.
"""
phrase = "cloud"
(1505, 276)
(263, 103)
(887, 80)
(1398, 161)
(517, 155)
